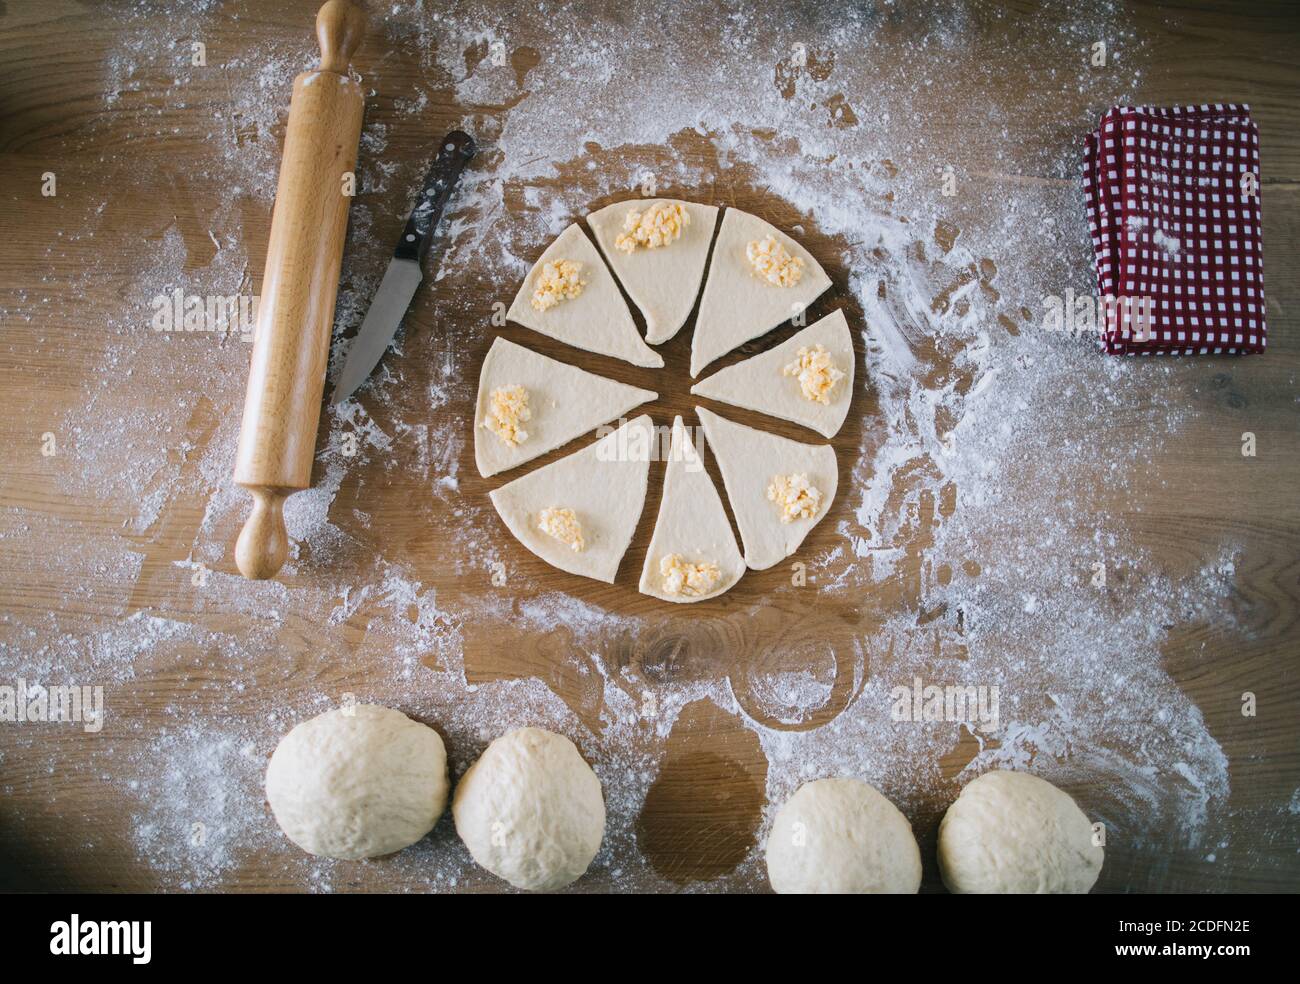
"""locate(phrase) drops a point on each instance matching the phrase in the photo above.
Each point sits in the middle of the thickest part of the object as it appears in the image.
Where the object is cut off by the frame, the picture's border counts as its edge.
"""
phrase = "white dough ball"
(842, 837)
(357, 782)
(1013, 833)
(530, 810)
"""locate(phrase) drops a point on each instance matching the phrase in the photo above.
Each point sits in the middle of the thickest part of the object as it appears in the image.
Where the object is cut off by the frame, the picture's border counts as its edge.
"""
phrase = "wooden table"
(116, 549)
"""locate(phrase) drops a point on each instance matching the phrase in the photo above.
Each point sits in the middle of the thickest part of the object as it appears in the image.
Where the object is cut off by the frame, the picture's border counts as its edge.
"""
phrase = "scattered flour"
(969, 409)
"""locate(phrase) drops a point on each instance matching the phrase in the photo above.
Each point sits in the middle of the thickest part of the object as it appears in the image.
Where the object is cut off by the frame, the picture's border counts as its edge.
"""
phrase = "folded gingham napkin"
(1173, 208)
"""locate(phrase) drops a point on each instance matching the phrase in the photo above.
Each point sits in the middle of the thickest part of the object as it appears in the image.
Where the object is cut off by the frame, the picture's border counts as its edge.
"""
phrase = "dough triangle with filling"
(737, 304)
(663, 282)
(558, 402)
(693, 553)
(579, 513)
(772, 525)
(597, 319)
(762, 383)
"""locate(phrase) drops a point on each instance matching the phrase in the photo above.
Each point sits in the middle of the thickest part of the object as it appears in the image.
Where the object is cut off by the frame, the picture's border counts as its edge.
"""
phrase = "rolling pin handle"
(339, 28)
(263, 542)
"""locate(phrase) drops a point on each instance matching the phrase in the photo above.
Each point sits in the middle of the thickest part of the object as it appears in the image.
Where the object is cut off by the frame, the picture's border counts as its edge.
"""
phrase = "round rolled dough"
(357, 782)
(842, 837)
(530, 810)
(1013, 833)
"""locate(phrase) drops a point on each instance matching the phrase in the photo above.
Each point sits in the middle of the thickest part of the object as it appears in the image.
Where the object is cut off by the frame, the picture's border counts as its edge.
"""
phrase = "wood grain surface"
(133, 167)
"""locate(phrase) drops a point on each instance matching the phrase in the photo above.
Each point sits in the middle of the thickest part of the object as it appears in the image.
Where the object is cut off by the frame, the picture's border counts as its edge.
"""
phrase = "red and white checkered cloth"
(1173, 208)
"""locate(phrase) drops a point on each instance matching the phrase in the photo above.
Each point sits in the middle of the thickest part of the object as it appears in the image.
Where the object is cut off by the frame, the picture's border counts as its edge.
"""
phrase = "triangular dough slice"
(597, 319)
(761, 383)
(691, 527)
(603, 485)
(665, 281)
(564, 402)
(737, 305)
(750, 461)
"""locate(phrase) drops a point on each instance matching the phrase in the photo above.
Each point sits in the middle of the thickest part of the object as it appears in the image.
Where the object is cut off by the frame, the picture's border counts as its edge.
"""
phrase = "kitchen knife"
(404, 272)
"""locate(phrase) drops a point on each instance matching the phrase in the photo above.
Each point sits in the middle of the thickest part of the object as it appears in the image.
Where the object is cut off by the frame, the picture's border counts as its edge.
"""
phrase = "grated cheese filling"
(816, 373)
(795, 497)
(557, 281)
(681, 577)
(506, 412)
(773, 263)
(562, 524)
(657, 226)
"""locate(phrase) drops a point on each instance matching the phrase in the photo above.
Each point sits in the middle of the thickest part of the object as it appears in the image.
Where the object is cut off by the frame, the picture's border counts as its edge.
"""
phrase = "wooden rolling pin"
(296, 313)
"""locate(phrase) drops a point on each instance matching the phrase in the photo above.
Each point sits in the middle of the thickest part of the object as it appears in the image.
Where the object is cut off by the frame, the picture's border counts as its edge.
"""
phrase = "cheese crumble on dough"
(659, 225)
(563, 525)
(817, 373)
(681, 577)
(795, 496)
(507, 410)
(773, 263)
(560, 280)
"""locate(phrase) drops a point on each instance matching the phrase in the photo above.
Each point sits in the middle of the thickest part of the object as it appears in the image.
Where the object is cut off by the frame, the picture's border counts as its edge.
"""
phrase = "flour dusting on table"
(971, 408)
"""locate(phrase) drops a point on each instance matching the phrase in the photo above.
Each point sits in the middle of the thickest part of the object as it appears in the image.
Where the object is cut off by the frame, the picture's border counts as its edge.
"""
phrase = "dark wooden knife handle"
(454, 153)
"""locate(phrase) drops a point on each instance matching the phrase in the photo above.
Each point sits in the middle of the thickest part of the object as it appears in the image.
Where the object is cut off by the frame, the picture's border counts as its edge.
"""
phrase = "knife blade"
(405, 270)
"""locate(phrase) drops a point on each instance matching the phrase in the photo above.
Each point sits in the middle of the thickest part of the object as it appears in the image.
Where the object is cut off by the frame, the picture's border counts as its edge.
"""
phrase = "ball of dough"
(357, 782)
(842, 837)
(530, 810)
(1010, 832)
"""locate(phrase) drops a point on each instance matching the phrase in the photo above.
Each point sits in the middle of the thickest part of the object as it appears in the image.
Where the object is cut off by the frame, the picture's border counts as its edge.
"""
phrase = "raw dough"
(691, 524)
(565, 403)
(662, 282)
(760, 383)
(604, 484)
(842, 837)
(598, 319)
(357, 782)
(749, 459)
(530, 810)
(1013, 833)
(737, 305)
